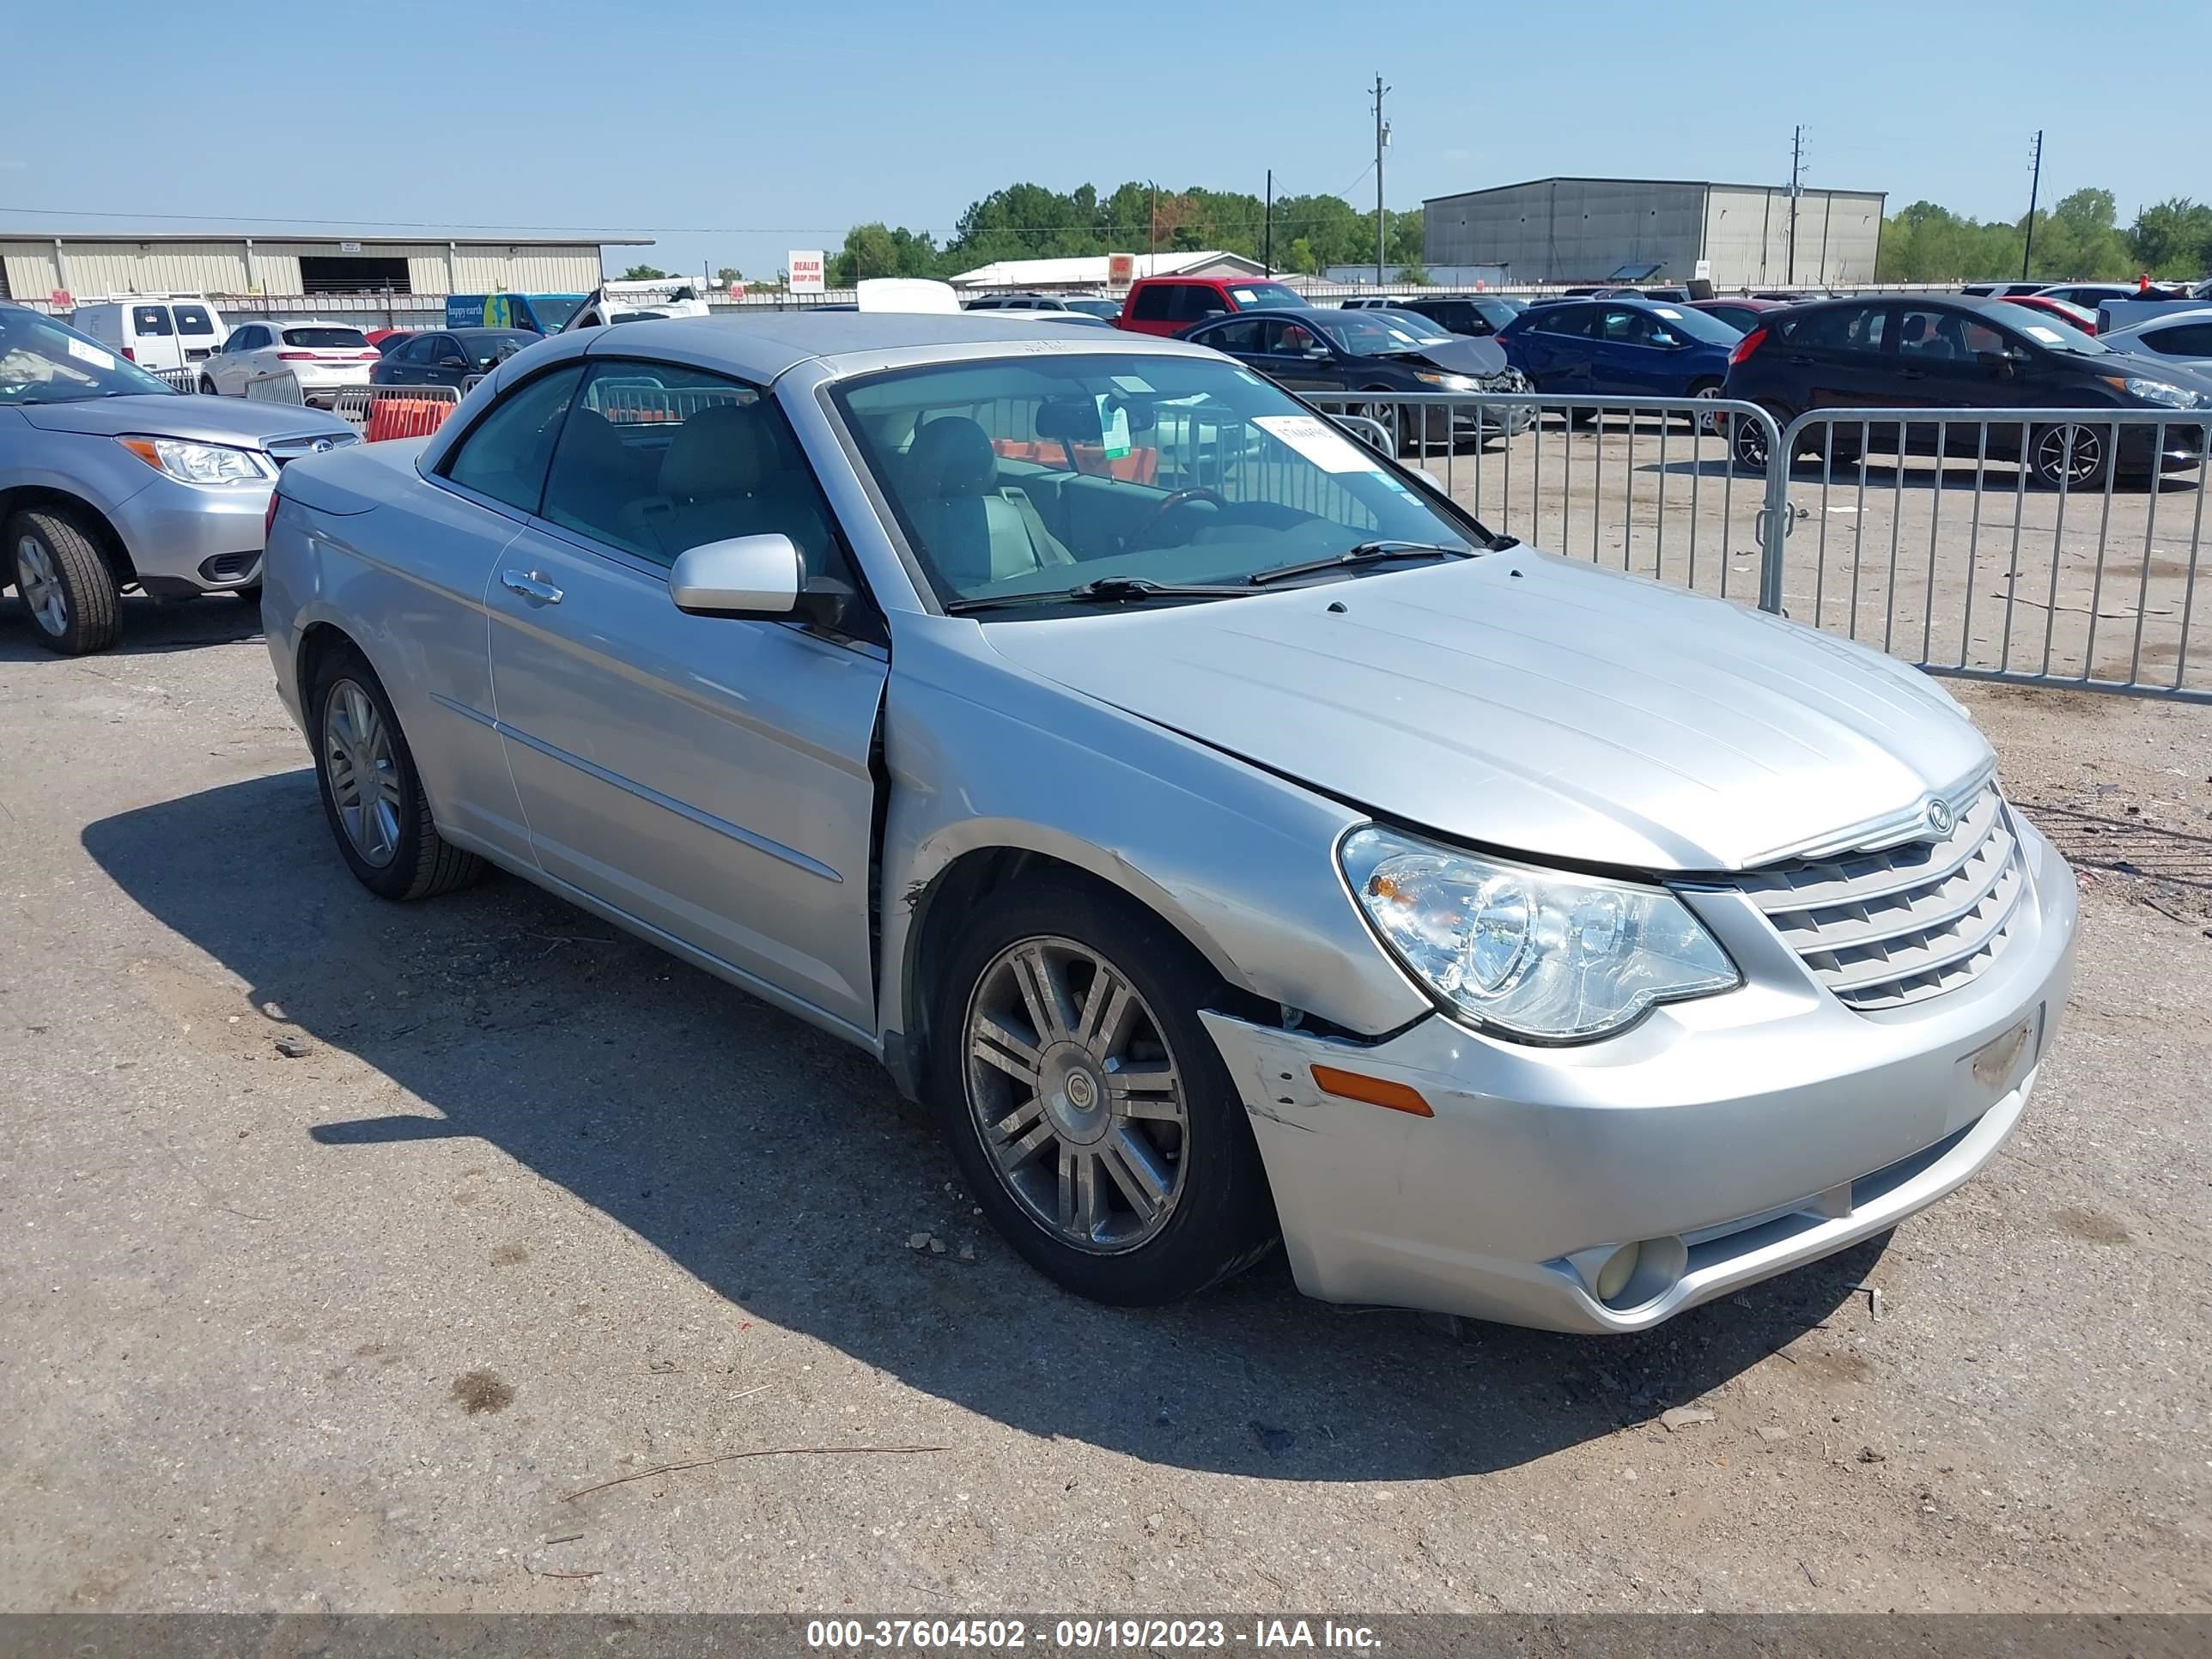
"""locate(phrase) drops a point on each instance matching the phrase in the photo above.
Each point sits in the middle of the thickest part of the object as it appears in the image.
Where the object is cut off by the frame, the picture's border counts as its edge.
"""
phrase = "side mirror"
(450, 362)
(1316, 354)
(761, 577)
(2000, 362)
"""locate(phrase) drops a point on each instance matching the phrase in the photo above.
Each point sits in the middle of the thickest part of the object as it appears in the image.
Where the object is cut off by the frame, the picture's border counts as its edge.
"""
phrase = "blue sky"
(734, 132)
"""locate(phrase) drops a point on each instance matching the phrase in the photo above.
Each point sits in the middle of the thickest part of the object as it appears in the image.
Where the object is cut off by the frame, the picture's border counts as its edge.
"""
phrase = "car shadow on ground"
(150, 627)
(779, 1167)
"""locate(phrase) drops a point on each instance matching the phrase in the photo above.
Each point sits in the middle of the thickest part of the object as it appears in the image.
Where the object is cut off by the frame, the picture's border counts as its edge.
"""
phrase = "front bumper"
(1737, 1136)
(193, 538)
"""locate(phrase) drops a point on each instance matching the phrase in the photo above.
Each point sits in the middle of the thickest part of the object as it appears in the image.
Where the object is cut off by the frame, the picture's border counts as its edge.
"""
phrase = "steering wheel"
(1142, 535)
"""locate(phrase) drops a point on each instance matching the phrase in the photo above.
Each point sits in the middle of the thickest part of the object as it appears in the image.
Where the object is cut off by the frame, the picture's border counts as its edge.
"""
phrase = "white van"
(155, 331)
(636, 302)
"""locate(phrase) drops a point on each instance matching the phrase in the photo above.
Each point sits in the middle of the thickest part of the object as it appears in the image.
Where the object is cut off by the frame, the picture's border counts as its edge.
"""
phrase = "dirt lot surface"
(344, 1246)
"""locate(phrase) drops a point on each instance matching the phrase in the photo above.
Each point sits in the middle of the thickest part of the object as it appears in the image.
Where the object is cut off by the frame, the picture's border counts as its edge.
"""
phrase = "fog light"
(1612, 1276)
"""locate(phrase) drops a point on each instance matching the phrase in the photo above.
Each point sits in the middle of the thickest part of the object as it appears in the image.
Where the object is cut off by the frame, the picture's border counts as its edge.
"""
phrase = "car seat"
(975, 532)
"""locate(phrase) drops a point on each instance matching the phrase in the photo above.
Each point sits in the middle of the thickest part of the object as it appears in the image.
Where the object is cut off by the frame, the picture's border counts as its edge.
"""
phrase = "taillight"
(130, 355)
(269, 517)
(295, 357)
(1746, 346)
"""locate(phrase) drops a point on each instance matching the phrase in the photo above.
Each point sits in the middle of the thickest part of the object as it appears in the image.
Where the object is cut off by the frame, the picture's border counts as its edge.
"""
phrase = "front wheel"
(1089, 1111)
(64, 581)
(2071, 457)
(206, 387)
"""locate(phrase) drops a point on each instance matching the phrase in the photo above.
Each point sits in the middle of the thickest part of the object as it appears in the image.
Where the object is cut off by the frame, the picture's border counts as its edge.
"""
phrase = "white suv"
(324, 358)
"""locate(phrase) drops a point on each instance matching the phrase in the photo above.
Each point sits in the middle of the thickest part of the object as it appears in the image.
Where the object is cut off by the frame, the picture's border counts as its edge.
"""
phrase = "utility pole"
(1381, 138)
(1267, 235)
(2034, 185)
(1796, 177)
(1153, 231)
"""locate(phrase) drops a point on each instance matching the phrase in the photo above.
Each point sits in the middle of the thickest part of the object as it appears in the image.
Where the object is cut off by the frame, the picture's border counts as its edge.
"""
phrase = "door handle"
(531, 584)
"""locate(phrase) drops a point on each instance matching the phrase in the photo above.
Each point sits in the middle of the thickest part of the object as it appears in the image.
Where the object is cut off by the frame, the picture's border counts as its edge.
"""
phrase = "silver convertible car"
(1227, 835)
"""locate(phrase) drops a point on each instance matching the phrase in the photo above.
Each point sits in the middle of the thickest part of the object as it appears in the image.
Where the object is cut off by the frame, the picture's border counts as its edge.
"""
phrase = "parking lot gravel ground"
(466, 1255)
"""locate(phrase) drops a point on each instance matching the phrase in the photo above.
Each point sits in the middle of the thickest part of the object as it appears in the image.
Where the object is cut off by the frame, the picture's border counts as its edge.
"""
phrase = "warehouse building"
(41, 265)
(1591, 230)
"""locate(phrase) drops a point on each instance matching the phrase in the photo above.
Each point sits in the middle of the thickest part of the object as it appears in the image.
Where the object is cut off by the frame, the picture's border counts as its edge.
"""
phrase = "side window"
(1242, 336)
(1571, 321)
(417, 350)
(505, 454)
(2188, 340)
(1845, 328)
(655, 458)
(1153, 303)
(1195, 299)
(1925, 335)
(1624, 327)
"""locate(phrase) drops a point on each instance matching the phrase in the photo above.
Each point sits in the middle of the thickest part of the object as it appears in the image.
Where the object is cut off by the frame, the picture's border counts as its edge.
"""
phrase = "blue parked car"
(1619, 348)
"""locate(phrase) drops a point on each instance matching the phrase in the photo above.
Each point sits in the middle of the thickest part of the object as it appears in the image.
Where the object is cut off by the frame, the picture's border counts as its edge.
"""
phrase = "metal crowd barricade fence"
(396, 411)
(2056, 547)
(1640, 484)
(279, 388)
(184, 380)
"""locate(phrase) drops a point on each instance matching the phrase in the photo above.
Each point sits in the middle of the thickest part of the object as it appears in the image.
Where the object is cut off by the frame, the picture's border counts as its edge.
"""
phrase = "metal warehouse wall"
(1569, 229)
(1748, 236)
(123, 266)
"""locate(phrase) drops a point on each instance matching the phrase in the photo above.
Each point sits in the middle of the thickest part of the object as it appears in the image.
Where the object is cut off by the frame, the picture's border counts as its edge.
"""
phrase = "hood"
(1465, 355)
(235, 421)
(2188, 373)
(1528, 703)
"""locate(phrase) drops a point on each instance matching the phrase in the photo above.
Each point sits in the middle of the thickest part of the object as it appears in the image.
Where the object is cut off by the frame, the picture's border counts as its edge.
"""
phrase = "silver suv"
(110, 479)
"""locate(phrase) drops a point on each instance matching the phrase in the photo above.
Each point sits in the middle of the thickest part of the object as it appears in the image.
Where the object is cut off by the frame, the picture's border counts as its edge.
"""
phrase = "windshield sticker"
(1113, 425)
(1319, 442)
(2049, 337)
(91, 354)
(1243, 296)
(1671, 316)
(1131, 382)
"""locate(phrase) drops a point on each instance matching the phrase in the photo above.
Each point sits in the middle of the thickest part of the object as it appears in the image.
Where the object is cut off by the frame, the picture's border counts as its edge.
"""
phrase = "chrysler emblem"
(1939, 818)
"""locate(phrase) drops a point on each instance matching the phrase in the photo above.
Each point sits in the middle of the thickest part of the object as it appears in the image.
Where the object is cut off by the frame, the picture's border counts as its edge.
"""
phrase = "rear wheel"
(64, 581)
(371, 793)
(1089, 1111)
(1747, 445)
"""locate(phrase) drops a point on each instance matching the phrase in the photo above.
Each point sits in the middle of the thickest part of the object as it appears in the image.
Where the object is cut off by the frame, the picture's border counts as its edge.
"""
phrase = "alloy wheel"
(40, 586)
(364, 775)
(1077, 1096)
(2074, 454)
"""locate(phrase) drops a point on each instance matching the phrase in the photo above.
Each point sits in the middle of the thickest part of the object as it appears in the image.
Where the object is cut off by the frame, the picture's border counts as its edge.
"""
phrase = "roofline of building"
(1689, 184)
(607, 238)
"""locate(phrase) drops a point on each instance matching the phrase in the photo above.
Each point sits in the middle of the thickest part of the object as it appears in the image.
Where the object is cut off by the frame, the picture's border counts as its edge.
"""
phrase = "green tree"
(2173, 239)
(644, 273)
(729, 274)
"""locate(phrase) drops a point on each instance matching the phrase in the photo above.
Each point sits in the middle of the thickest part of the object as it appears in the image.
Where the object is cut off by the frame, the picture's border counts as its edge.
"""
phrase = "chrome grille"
(1889, 928)
(285, 450)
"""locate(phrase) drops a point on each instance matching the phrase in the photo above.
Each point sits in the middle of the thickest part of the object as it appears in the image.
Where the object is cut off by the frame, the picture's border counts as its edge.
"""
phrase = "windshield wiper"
(1105, 590)
(1376, 552)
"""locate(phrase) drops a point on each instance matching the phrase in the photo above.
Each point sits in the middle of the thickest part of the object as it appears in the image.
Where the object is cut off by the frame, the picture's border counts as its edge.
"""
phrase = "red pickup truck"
(1168, 305)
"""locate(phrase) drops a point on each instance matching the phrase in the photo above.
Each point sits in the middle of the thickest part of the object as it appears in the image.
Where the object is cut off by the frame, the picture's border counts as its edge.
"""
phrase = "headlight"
(1535, 953)
(1445, 382)
(199, 463)
(2155, 392)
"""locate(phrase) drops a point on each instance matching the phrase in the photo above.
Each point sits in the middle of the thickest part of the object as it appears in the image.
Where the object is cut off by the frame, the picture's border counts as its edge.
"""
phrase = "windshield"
(1379, 333)
(1263, 296)
(1023, 477)
(1696, 325)
(553, 311)
(43, 362)
(486, 347)
(1110, 309)
(2047, 331)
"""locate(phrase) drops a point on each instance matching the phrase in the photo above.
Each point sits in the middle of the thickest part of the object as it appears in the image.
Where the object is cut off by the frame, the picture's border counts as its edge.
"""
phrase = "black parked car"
(1478, 315)
(450, 356)
(1319, 350)
(1933, 351)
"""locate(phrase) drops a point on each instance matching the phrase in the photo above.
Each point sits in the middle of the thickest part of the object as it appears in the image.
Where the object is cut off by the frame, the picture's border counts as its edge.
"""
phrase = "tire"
(389, 843)
(1747, 446)
(1386, 416)
(63, 581)
(1703, 424)
(1212, 1215)
(206, 387)
(2086, 466)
